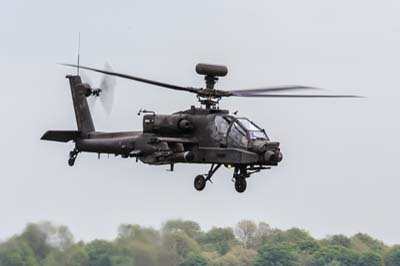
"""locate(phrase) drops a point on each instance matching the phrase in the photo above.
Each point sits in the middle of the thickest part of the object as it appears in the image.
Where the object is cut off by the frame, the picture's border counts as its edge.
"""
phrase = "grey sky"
(340, 170)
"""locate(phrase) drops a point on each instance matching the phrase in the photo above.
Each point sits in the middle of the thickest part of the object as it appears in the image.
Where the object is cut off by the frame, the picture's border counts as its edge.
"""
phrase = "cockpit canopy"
(255, 132)
(238, 132)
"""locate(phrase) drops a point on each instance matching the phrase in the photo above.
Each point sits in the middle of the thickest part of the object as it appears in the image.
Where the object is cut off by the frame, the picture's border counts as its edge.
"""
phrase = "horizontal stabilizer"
(61, 135)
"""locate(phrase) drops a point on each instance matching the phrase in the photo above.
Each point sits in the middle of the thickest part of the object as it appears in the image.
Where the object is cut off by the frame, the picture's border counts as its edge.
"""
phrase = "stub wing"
(178, 140)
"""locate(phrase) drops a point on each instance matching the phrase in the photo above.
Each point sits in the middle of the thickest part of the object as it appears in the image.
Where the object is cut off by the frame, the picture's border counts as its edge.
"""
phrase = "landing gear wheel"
(72, 157)
(199, 183)
(71, 161)
(240, 185)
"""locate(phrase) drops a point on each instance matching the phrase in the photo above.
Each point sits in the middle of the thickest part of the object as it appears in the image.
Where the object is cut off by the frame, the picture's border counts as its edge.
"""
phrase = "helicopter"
(199, 135)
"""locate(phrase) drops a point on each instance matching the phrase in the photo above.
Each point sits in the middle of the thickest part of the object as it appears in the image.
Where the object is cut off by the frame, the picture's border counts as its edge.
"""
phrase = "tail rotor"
(90, 95)
(105, 92)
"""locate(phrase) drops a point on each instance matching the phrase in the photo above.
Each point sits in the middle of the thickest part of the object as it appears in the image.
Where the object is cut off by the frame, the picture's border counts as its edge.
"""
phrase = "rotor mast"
(211, 73)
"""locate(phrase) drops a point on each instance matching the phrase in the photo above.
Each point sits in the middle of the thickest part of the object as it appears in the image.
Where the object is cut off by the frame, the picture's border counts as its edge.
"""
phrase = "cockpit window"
(237, 136)
(255, 132)
(222, 125)
(247, 124)
(241, 131)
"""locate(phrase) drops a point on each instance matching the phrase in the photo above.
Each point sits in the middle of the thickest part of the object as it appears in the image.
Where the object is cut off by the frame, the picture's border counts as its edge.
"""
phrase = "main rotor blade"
(272, 89)
(296, 96)
(148, 81)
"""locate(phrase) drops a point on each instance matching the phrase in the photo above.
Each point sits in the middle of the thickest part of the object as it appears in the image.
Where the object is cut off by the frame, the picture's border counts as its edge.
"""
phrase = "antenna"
(79, 50)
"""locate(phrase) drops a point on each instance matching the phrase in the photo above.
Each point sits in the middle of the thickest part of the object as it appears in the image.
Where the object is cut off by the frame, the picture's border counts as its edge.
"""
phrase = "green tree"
(194, 260)
(246, 232)
(143, 253)
(56, 236)
(168, 257)
(237, 256)
(338, 240)
(370, 259)
(119, 260)
(178, 246)
(74, 256)
(16, 252)
(37, 239)
(263, 233)
(365, 243)
(140, 243)
(99, 253)
(190, 228)
(308, 246)
(298, 237)
(138, 233)
(218, 239)
(54, 258)
(335, 255)
(77, 255)
(392, 257)
(182, 243)
(282, 254)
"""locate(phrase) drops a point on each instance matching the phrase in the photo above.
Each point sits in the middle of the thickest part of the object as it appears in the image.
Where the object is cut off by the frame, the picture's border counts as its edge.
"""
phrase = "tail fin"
(82, 112)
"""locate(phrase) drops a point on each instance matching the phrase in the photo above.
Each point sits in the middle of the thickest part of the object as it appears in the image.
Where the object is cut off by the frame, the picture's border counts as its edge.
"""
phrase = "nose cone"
(270, 152)
(279, 156)
(273, 156)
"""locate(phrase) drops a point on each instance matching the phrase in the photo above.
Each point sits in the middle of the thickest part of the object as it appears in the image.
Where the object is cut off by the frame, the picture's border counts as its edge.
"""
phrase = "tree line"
(184, 243)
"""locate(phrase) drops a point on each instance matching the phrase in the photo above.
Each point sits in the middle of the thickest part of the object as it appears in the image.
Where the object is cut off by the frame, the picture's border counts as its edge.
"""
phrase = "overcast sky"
(340, 172)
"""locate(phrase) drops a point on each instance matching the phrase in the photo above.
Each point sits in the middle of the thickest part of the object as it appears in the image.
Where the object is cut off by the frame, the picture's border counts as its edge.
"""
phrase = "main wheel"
(240, 185)
(71, 161)
(199, 183)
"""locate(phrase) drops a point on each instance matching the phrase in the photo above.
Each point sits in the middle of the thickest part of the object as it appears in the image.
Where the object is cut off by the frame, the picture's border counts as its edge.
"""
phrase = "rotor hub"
(210, 97)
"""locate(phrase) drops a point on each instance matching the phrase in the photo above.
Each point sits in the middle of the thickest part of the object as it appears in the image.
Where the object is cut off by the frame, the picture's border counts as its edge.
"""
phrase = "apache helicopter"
(203, 135)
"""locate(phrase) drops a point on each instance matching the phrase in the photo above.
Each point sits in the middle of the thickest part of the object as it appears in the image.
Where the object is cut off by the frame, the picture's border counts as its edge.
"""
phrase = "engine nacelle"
(166, 124)
(185, 125)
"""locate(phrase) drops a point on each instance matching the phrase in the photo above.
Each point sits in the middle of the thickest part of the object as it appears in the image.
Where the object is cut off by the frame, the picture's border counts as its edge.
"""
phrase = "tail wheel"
(71, 161)
(240, 185)
(199, 183)
(72, 157)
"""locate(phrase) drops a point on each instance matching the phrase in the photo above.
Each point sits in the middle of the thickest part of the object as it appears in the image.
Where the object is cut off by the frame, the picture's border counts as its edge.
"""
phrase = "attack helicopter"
(201, 135)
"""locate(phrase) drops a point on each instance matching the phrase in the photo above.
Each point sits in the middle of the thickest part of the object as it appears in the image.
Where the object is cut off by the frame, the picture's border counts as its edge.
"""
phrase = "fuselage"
(192, 136)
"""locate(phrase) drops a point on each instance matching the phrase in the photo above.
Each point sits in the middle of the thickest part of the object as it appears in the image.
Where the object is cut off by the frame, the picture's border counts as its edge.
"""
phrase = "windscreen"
(255, 132)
